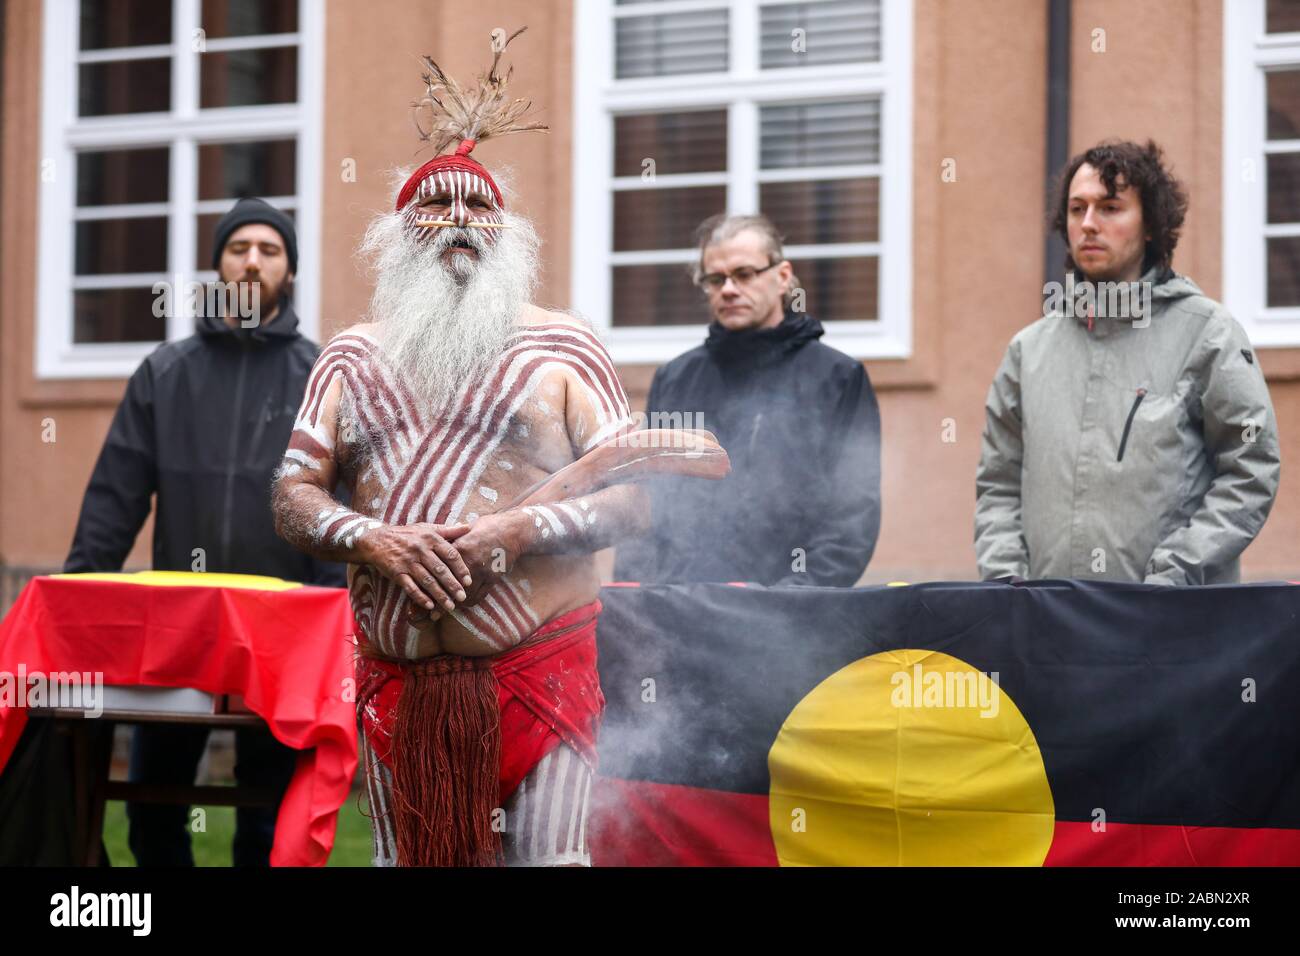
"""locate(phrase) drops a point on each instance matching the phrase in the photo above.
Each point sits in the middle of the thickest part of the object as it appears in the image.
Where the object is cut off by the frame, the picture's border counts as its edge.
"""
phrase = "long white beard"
(442, 326)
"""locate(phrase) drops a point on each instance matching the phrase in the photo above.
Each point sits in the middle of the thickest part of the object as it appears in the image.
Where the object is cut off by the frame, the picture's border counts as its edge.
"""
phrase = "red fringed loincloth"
(466, 723)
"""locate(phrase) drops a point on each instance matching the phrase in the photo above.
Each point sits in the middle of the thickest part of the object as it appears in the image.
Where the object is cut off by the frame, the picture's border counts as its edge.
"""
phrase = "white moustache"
(447, 236)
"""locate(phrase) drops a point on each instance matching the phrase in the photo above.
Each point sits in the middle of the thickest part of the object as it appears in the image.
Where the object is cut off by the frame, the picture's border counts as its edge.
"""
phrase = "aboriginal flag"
(1055, 722)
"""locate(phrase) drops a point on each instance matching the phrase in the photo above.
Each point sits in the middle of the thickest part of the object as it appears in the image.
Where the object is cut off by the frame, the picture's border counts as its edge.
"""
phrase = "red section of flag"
(289, 653)
(1137, 844)
(638, 823)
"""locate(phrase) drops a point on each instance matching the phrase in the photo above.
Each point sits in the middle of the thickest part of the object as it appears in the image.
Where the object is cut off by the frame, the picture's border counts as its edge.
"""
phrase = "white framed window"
(799, 110)
(157, 115)
(1261, 168)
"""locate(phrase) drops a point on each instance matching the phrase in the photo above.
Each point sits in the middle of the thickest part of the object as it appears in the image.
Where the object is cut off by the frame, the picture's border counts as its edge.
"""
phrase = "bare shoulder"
(533, 315)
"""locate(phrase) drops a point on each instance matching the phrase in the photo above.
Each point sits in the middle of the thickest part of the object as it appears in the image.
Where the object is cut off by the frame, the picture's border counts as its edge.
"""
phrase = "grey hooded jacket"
(1127, 450)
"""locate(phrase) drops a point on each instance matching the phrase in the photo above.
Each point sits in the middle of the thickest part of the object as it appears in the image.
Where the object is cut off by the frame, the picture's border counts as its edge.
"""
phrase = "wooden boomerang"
(633, 456)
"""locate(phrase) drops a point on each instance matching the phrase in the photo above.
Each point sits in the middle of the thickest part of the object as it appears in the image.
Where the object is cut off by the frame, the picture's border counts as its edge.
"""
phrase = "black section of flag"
(1134, 693)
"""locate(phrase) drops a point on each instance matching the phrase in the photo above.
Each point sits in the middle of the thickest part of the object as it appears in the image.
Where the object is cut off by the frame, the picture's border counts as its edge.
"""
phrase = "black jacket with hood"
(800, 423)
(204, 424)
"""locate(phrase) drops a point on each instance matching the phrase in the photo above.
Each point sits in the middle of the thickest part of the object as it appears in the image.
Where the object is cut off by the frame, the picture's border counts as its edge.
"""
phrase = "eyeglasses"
(714, 281)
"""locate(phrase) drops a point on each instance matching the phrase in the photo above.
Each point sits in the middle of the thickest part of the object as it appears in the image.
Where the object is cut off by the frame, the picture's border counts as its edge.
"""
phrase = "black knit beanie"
(255, 210)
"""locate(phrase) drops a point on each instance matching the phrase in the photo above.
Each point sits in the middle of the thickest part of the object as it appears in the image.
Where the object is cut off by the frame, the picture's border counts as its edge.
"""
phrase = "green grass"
(212, 847)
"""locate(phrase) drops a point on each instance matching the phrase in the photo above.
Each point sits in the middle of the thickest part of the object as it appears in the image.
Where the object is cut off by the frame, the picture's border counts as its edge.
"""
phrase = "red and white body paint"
(431, 466)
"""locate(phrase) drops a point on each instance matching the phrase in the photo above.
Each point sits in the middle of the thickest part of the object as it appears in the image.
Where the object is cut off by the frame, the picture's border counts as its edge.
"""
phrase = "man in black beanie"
(255, 243)
(203, 425)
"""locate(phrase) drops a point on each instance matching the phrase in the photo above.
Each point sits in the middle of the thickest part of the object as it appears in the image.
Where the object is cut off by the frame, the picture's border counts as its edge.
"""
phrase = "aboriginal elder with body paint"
(203, 426)
(799, 420)
(474, 589)
(1129, 433)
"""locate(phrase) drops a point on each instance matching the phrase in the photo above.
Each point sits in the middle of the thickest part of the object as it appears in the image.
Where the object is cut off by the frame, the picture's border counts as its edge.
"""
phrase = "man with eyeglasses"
(798, 419)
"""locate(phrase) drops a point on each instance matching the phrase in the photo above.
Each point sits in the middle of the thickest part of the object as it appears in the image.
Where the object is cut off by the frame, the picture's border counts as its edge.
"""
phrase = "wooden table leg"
(82, 763)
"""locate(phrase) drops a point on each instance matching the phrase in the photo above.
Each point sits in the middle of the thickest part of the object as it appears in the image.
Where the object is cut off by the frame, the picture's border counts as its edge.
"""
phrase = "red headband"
(458, 161)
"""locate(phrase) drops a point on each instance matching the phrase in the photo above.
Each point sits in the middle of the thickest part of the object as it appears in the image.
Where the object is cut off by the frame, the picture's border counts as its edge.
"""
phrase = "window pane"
(118, 23)
(125, 86)
(1284, 272)
(109, 246)
(1284, 187)
(840, 31)
(1283, 88)
(820, 134)
(249, 77)
(1282, 16)
(122, 176)
(657, 295)
(241, 18)
(207, 227)
(668, 43)
(839, 289)
(693, 142)
(833, 210)
(663, 218)
(231, 170)
(116, 315)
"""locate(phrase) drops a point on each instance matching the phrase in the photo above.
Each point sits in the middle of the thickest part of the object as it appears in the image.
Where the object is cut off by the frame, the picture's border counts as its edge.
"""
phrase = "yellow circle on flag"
(909, 758)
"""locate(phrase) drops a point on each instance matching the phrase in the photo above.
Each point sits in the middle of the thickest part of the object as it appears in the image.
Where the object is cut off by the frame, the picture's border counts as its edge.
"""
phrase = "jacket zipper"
(1141, 394)
(231, 459)
(259, 429)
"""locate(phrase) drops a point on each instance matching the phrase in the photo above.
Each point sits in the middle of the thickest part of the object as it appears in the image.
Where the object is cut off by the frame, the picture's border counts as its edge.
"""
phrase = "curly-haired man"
(1135, 443)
